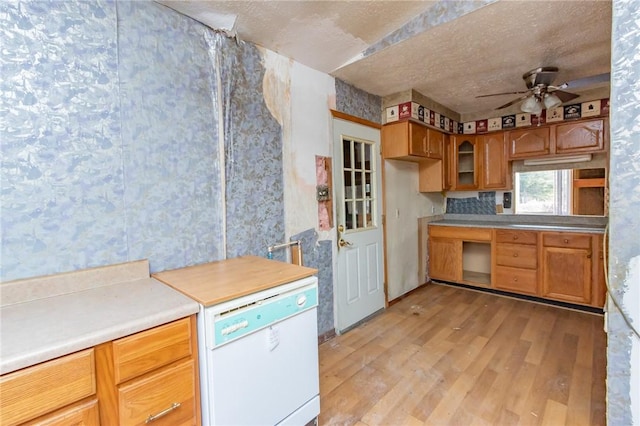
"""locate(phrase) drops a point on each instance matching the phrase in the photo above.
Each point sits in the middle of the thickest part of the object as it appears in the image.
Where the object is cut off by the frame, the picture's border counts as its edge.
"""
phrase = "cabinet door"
(495, 167)
(418, 140)
(445, 259)
(465, 162)
(436, 144)
(528, 143)
(582, 136)
(567, 274)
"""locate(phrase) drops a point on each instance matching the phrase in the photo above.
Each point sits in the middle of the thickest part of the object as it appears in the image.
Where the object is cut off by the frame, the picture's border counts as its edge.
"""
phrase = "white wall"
(300, 98)
(404, 204)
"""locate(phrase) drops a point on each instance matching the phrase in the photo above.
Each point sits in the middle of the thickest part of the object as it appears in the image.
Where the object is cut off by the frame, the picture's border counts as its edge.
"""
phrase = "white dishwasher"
(259, 358)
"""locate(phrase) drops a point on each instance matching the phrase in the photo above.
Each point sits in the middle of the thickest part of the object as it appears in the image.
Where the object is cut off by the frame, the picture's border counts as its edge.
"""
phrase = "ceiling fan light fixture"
(532, 105)
(551, 101)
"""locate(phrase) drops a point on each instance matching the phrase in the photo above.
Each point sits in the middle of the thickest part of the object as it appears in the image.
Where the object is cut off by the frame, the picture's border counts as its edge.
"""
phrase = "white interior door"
(358, 197)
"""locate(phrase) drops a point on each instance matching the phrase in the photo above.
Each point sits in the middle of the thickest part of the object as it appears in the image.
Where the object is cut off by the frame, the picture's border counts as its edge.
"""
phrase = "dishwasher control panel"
(247, 318)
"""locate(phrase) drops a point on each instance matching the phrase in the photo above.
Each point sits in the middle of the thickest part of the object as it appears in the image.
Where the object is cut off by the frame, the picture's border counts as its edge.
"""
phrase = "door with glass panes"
(358, 188)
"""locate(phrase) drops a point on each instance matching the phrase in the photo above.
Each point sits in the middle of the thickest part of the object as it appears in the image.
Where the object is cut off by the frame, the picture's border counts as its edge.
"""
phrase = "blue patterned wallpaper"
(108, 139)
(253, 156)
(357, 102)
(623, 406)
(319, 255)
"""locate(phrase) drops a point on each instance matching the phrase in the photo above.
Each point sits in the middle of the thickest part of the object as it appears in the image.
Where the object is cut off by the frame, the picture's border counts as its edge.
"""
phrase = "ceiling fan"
(541, 94)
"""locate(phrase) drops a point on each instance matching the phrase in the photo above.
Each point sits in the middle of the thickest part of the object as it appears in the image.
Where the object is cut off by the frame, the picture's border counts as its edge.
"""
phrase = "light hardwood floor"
(451, 356)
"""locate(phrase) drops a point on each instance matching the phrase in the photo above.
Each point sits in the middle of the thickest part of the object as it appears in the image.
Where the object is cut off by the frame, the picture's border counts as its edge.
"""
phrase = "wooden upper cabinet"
(496, 173)
(407, 140)
(465, 161)
(529, 142)
(435, 144)
(581, 136)
(418, 140)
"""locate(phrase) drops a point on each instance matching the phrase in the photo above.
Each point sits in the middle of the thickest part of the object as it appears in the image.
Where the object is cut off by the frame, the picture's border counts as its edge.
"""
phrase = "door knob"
(340, 228)
(343, 243)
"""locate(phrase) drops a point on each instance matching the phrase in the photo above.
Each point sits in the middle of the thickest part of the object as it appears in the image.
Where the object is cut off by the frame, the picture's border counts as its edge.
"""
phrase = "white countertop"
(43, 328)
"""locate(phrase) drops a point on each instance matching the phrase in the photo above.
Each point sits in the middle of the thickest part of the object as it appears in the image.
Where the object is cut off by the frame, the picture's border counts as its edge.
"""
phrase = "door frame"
(357, 120)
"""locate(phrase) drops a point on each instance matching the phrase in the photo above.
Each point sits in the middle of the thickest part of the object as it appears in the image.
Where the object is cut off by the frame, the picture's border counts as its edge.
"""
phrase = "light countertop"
(527, 222)
(52, 317)
(217, 282)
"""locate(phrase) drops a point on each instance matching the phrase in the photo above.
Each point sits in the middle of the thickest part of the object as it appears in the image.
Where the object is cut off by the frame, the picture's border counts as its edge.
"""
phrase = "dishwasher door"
(264, 377)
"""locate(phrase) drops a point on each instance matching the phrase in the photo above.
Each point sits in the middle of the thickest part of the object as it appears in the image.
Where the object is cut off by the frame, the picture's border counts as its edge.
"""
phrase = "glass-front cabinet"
(466, 161)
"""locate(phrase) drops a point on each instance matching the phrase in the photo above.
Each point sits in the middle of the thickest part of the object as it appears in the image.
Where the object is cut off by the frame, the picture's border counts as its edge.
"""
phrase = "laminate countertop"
(217, 282)
(530, 226)
(47, 317)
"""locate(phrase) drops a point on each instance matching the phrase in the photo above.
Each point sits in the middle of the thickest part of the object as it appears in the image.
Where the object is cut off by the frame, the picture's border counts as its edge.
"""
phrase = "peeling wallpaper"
(253, 156)
(111, 147)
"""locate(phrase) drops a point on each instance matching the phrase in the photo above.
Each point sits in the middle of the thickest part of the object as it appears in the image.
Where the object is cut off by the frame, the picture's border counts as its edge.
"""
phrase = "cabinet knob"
(566, 241)
(515, 279)
(515, 254)
(515, 237)
(589, 256)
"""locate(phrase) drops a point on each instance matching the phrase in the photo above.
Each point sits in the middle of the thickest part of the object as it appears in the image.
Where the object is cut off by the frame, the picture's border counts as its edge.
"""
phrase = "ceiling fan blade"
(564, 96)
(586, 81)
(515, 101)
(504, 93)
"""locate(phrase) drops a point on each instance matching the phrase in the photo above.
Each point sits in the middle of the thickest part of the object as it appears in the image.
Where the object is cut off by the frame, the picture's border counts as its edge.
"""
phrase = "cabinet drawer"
(515, 279)
(461, 233)
(143, 352)
(81, 414)
(517, 255)
(34, 391)
(169, 395)
(516, 237)
(566, 239)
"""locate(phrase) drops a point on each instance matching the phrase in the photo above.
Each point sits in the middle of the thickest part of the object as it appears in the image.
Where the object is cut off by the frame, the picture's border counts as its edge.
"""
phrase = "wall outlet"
(506, 200)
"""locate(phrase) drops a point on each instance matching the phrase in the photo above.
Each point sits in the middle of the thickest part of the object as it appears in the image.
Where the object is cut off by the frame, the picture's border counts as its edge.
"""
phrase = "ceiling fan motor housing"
(540, 77)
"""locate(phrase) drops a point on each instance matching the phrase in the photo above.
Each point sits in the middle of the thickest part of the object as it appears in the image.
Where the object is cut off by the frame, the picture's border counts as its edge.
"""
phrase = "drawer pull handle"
(153, 417)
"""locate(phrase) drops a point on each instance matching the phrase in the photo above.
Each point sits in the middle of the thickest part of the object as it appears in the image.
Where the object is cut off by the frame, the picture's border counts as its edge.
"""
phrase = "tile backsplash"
(484, 203)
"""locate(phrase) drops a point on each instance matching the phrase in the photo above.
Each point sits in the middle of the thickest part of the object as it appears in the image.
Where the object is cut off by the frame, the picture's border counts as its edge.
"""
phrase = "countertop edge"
(109, 322)
(520, 227)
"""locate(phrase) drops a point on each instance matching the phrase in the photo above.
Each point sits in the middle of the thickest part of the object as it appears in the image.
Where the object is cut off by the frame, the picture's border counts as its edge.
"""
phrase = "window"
(545, 192)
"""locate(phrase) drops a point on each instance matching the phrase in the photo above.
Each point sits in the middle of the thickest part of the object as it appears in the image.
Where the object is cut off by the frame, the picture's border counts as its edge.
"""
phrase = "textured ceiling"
(377, 46)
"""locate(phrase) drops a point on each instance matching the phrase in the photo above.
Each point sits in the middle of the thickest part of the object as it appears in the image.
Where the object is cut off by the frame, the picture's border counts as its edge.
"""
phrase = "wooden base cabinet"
(561, 266)
(445, 259)
(57, 392)
(516, 261)
(568, 267)
(151, 377)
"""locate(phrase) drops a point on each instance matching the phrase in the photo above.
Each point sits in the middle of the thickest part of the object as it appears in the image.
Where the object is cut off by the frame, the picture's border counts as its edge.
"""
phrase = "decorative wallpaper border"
(413, 110)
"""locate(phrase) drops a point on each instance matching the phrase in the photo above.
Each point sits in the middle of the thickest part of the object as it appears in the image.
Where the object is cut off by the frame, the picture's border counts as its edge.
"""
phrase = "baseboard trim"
(534, 299)
(326, 336)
